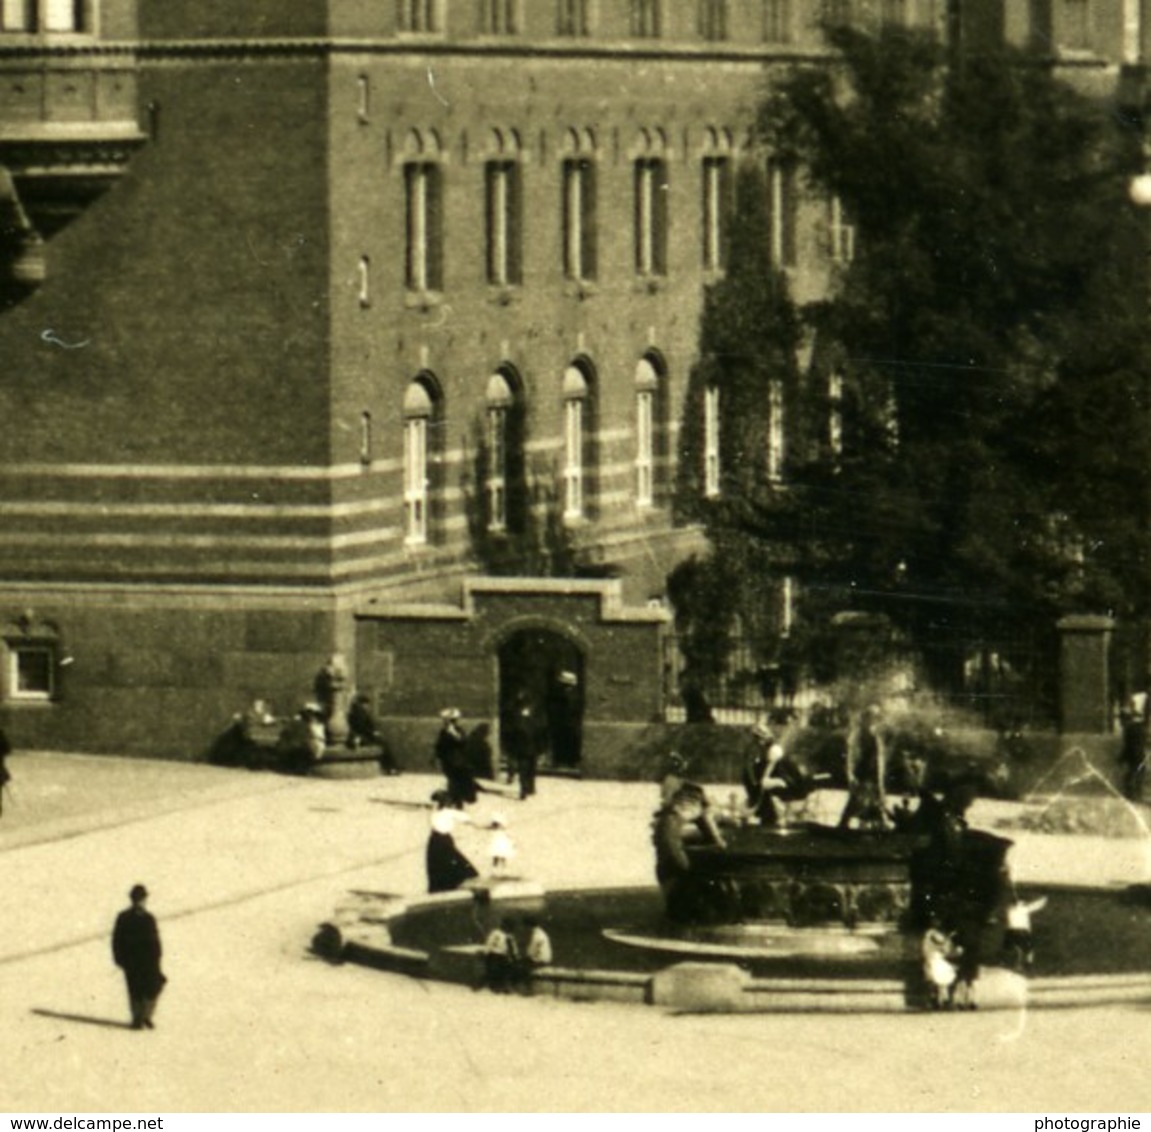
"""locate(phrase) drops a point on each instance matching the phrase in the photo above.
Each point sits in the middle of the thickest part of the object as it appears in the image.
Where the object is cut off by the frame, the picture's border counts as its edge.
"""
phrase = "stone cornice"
(629, 51)
(31, 48)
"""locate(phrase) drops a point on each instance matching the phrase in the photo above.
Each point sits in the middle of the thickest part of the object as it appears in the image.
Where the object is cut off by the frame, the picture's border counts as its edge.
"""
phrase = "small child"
(501, 957)
(501, 848)
(539, 945)
(1017, 941)
(938, 950)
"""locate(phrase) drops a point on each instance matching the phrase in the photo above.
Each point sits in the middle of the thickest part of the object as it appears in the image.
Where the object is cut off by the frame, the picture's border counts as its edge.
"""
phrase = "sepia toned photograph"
(575, 556)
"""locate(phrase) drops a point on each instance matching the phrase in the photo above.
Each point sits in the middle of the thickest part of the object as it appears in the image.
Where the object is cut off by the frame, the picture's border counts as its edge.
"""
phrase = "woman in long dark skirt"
(448, 868)
(453, 756)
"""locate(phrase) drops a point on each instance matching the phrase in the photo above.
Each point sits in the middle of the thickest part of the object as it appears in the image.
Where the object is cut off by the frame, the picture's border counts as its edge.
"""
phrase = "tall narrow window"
(579, 219)
(711, 469)
(17, 15)
(424, 226)
(713, 19)
(499, 405)
(504, 223)
(418, 408)
(775, 435)
(787, 606)
(835, 413)
(838, 13)
(417, 15)
(716, 196)
(364, 281)
(646, 19)
(777, 21)
(841, 231)
(363, 99)
(893, 13)
(365, 438)
(575, 394)
(63, 15)
(646, 418)
(783, 210)
(499, 17)
(1074, 29)
(650, 217)
(572, 17)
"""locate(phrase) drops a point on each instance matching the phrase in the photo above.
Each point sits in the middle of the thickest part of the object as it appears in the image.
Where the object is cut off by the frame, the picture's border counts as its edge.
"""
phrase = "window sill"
(504, 294)
(423, 301)
(580, 288)
(650, 284)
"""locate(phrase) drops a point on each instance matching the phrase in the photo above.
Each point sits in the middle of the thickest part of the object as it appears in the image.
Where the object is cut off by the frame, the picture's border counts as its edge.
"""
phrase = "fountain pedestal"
(802, 876)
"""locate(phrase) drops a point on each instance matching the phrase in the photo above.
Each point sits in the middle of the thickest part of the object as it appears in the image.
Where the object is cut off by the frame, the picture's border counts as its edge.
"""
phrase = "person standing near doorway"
(565, 719)
(136, 951)
(521, 742)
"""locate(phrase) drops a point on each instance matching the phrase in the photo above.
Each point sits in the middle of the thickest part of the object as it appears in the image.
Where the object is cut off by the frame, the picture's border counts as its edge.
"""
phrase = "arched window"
(419, 409)
(364, 281)
(423, 192)
(651, 215)
(500, 401)
(575, 415)
(365, 438)
(711, 464)
(363, 99)
(717, 198)
(775, 433)
(504, 210)
(579, 206)
(835, 413)
(647, 403)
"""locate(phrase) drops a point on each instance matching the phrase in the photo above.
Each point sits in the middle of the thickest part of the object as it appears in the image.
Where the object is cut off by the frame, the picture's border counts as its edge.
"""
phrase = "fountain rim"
(762, 995)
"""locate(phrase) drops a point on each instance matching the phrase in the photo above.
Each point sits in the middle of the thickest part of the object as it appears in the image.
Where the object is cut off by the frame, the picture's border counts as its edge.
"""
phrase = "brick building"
(317, 314)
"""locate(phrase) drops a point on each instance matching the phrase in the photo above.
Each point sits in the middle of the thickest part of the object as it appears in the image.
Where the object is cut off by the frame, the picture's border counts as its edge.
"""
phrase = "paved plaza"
(242, 867)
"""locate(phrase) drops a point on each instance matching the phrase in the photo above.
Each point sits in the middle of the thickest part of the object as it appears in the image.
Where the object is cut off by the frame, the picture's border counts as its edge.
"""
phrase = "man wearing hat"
(136, 951)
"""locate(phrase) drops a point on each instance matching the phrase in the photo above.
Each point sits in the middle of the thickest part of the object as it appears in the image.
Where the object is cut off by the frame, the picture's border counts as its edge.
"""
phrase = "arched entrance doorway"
(546, 669)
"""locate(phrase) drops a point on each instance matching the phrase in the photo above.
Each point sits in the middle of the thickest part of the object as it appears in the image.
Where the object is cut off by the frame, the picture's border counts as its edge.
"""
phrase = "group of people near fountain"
(958, 876)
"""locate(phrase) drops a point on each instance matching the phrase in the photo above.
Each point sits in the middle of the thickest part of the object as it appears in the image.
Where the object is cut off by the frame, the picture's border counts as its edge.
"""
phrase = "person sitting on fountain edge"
(685, 814)
(772, 779)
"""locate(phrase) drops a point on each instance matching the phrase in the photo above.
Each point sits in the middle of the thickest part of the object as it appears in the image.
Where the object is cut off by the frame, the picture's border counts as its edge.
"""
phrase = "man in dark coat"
(1133, 750)
(565, 719)
(522, 743)
(136, 950)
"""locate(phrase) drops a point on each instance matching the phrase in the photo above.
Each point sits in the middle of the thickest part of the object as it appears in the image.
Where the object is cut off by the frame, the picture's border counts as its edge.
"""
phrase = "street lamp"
(1139, 189)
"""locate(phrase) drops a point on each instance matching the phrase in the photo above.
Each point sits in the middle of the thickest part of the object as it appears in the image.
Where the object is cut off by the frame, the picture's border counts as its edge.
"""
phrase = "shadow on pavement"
(86, 1019)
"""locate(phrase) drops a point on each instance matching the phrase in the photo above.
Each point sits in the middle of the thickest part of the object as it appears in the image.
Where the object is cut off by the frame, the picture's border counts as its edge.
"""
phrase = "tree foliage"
(990, 336)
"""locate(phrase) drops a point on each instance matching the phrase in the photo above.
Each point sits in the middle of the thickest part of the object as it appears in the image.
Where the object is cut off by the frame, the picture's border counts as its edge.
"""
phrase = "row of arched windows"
(582, 203)
(503, 488)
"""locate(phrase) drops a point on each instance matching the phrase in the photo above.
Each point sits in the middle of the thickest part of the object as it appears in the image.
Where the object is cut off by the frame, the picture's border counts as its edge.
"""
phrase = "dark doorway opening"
(546, 669)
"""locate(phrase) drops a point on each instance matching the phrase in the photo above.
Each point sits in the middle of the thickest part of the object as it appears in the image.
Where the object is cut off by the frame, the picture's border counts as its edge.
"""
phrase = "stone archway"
(547, 668)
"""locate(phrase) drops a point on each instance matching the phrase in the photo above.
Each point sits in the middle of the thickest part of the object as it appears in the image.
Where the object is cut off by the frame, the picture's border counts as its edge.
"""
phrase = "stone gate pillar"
(1084, 680)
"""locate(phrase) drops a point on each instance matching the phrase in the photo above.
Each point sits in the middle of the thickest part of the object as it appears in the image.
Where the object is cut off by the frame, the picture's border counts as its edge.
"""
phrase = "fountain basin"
(802, 875)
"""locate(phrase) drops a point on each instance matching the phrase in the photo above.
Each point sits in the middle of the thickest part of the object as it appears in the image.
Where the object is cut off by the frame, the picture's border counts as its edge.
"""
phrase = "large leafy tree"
(990, 340)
